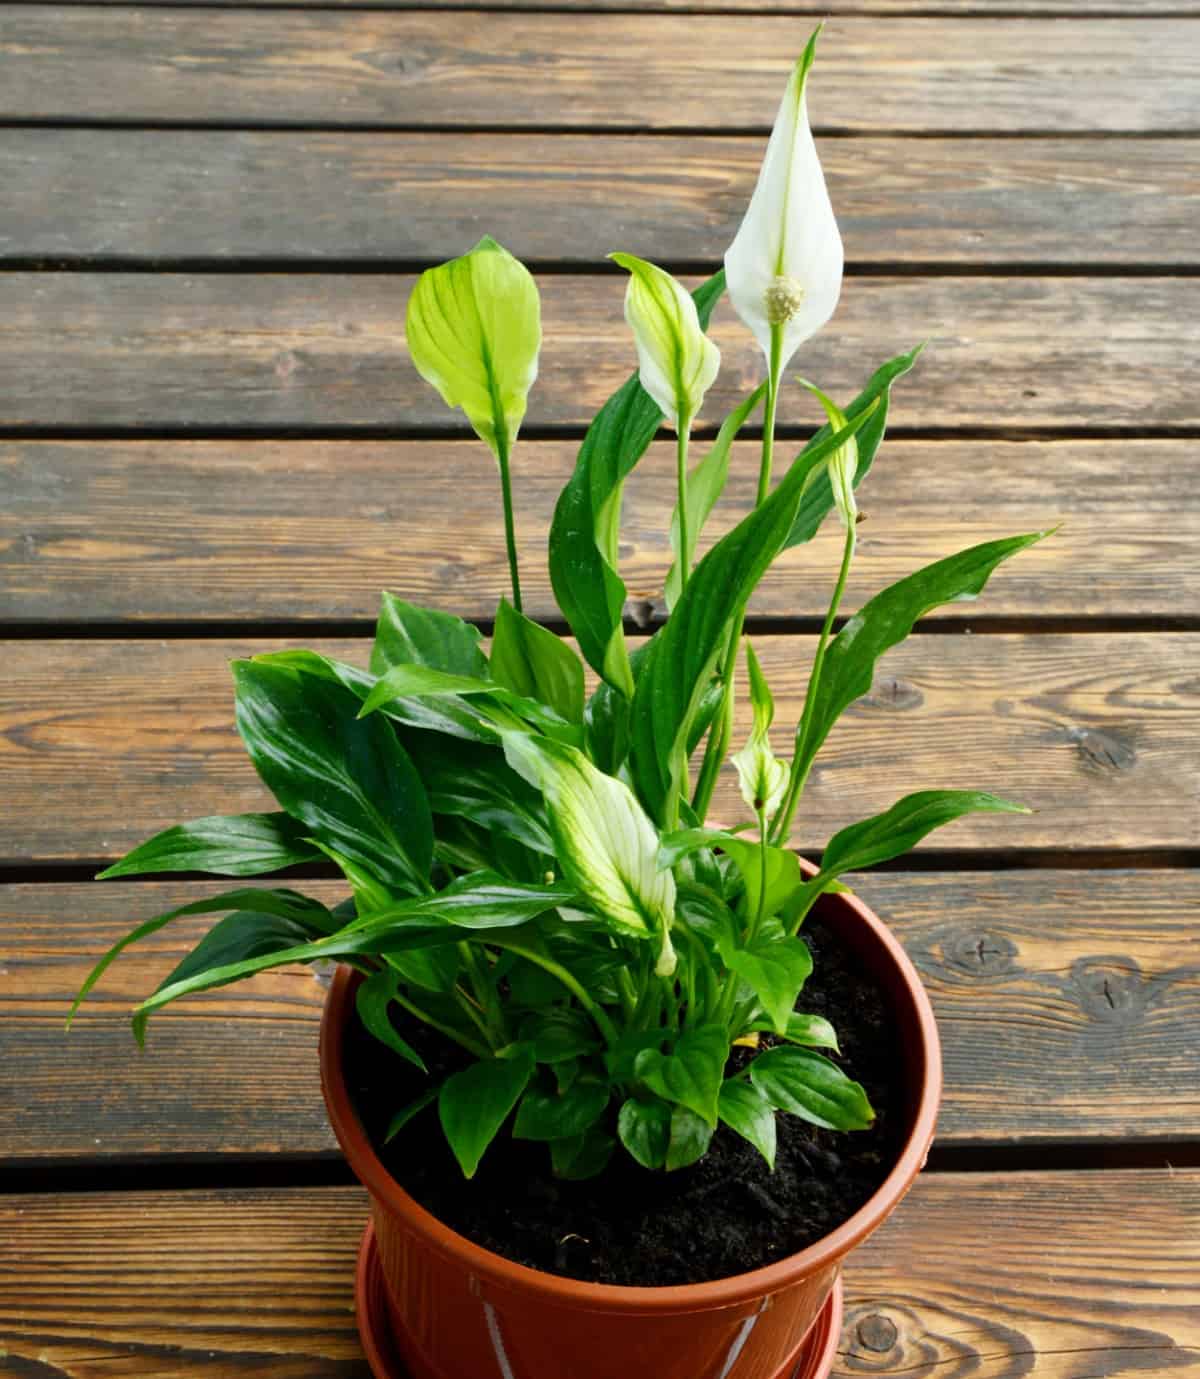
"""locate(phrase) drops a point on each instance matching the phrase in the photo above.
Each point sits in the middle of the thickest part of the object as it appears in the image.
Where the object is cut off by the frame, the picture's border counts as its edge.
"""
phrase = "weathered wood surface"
(1038, 978)
(634, 71)
(270, 351)
(101, 531)
(133, 195)
(106, 742)
(995, 1276)
(1033, 8)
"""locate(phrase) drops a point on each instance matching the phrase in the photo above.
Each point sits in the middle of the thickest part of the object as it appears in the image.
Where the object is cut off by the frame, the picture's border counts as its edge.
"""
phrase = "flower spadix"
(843, 463)
(474, 331)
(762, 777)
(606, 844)
(784, 267)
(677, 362)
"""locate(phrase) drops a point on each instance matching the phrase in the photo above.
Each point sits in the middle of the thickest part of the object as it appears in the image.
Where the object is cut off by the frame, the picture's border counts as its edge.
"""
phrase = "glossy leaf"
(348, 780)
(681, 658)
(888, 835)
(817, 500)
(784, 874)
(583, 534)
(886, 620)
(810, 1086)
(690, 1137)
(478, 901)
(744, 1108)
(559, 1033)
(243, 934)
(474, 332)
(225, 845)
(812, 1031)
(775, 967)
(475, 1103)
(582, 1156)
(373, 1001)
(407, 633)
(691, 1073)
(644, 1128)
(545, 1115)
(406, 1113)
(534, 663)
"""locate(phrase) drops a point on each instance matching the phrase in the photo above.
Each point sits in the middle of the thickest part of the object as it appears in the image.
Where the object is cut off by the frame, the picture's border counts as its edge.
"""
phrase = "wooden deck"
(211, 442)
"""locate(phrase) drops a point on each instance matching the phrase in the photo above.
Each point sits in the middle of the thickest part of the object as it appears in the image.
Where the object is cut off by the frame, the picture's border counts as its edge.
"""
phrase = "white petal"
(789, 231)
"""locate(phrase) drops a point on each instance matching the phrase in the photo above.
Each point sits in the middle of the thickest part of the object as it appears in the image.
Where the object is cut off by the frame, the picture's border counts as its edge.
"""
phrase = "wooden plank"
(800, 8)
(220, 195)
(996, 1275)
(1041, 980)
(271, 351)
(292, 530)
(105, 743)
(550, 70)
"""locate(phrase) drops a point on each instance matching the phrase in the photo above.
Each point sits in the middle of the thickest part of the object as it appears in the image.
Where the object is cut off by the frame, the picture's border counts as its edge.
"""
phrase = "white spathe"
(784, 266)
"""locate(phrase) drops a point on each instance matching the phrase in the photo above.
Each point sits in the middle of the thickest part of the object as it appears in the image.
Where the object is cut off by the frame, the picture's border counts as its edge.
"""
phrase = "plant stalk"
(510, 536)
(681, 482)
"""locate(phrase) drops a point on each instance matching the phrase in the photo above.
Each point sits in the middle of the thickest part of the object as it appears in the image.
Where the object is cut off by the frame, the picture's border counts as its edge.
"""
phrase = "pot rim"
(714, 1293)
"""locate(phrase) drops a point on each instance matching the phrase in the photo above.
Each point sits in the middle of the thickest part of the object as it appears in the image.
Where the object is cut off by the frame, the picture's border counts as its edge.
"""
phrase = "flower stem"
(783, 820)
(768, 439)
(681, 480)
(510, 537)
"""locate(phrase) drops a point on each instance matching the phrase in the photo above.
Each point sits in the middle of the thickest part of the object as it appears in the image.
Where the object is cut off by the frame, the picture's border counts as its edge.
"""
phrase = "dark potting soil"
(725, 1215)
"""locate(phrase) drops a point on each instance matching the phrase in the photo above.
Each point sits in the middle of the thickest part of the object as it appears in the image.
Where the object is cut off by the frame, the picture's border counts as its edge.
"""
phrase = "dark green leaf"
(373, 1000)
(432, 969)
(407, 633)
(775, 968)
(348, 779)
(744, 1108)
(226, 845)
(243, 934)
(691, 1073)
(546, 1115)
(645, 1130)
(558, 1034)
(621, 1058)
(809, 1086)
(406, 1113)
(901, 827)
(582, 1156)
(481, 900)
(583, 535)
(475, 1103)
(690, 1137)
(535, 664)
(817, 501)
(681, 657)
(883, 622)
(809, 1030)
(784, 874)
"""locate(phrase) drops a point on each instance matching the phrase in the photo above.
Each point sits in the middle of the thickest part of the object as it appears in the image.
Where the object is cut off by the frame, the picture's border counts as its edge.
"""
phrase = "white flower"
(677, 362)
(784, 267)
(842, 464)
(762, 777)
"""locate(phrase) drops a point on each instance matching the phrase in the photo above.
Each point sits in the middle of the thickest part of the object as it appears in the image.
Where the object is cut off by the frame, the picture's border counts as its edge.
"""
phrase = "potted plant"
(553, 964)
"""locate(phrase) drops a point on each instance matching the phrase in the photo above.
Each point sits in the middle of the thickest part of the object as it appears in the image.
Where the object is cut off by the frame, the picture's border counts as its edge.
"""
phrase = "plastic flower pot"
(457, 1311)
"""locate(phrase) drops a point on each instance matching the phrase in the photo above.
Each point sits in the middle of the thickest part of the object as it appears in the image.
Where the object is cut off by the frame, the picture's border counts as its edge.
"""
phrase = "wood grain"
(1042, 981)
(276, 351)
(105, 743)
(96, 532)
(652, 71)
(235, 196)
(1034, 8)
(992, 1276)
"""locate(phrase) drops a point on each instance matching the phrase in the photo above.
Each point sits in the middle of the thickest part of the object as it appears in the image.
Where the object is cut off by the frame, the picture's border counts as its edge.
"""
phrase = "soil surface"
(725, 1215)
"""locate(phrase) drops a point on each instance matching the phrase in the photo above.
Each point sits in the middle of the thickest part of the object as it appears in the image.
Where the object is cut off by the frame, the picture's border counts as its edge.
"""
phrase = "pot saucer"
(815, 1362)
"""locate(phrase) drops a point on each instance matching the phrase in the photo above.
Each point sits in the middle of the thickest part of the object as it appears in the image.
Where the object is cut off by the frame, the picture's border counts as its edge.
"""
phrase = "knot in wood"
(877, 1333)
(981, 953)
(1103, 751)
(1111, 989)
(890, 692)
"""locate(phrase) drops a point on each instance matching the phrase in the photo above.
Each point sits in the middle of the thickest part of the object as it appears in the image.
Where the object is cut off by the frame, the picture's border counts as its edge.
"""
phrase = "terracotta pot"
(459, 1311)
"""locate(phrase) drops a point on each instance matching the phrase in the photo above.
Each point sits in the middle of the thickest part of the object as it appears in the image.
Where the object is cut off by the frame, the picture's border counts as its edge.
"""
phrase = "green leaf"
(583, 534)
(809, 1086)
(582, 1156)
(369, 893)
(560, 1033)
(817, 501)
(810, 1030)
(883, 622)
(544, 1115)
(480, 900)
(690, 1137)
(418, 681)
(348, 780)
(243, 934)
(534, 663)
(432, 969)
(621, 1058)
(691, 1073)
(706, 483)
(406, 1113)
(887, 835)
(475, 1103)
(645, 1130)
(681, 657)
(374, 997)
(406, 633)
(224, 844)
(775, 968)
(744, 1108)
(309, 915)
(784, 874)
(474, 331)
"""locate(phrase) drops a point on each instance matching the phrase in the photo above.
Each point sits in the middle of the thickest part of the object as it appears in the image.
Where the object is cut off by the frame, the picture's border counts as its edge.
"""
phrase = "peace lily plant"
(531, 868)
